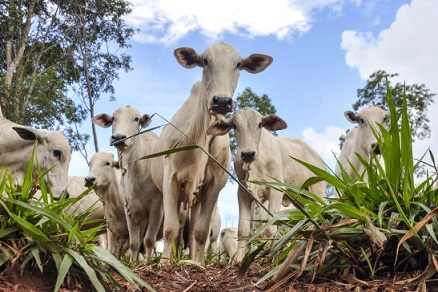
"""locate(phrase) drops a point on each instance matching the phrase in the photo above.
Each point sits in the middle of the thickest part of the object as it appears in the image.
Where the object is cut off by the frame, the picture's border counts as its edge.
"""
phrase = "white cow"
(189, 179)
(228, 242)
(261, 157)
(360, 140)
(52, 152)
(106, 177)
(143, 201)
(75, 188)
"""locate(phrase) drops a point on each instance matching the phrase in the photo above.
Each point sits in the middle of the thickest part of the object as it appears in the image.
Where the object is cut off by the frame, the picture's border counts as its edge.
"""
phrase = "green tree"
(248, 98)
(58, 58)
(418, 98)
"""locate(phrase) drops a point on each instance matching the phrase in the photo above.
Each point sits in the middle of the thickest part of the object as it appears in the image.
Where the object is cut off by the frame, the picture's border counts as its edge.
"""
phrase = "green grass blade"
(91, 273)
(66, 263)
(126, 272)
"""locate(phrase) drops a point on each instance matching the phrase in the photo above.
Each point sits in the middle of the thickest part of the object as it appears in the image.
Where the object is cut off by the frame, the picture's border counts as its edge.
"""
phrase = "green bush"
(37, 231)
(377, 227)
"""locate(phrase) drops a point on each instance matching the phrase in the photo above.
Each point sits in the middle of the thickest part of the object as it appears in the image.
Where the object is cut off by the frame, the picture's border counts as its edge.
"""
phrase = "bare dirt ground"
(212, 278)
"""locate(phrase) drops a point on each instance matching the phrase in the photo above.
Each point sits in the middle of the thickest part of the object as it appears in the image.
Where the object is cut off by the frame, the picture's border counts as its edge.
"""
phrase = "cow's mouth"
(118, 143)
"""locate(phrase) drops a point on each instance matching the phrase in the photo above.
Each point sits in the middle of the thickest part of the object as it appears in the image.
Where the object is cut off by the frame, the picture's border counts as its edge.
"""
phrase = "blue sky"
(323, 50)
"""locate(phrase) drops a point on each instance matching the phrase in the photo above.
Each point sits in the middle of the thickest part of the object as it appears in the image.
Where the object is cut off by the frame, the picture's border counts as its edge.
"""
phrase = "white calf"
(143, 200)
(105, 175)
(261, 157)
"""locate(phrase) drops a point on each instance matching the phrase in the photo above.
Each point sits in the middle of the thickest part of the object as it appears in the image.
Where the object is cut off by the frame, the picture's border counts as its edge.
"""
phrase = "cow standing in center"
(189, 179)
(261, 157)
(143, 201)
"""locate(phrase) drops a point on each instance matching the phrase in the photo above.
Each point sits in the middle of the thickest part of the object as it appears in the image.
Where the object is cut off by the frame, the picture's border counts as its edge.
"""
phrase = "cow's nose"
(222, 105)
(117, 140)
(376, 148)
(248, 156)
(89, 181)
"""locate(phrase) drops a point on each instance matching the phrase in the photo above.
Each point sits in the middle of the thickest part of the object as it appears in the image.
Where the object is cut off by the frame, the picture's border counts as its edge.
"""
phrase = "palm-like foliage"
(37, 231)
(384, 225)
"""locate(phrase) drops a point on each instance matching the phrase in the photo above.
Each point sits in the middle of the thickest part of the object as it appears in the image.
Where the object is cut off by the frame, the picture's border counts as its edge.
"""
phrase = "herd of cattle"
(143, 200)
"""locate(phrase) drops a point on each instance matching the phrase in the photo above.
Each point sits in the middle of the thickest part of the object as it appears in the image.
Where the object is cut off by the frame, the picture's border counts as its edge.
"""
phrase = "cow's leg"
(275, 199)
(134, 228)
(171, 226)
(111, 245)
(244, 222)
(154, 224)
(206, 204)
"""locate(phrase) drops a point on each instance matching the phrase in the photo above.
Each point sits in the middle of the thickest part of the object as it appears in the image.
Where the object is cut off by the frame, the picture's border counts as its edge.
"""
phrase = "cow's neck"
(128, 157)
(199, 120)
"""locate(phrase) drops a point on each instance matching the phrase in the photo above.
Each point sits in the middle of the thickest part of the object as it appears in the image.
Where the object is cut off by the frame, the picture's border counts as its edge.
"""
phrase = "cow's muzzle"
(376, 148)
(222, 105)
(248, 156)
(89, 181)
(118, 141)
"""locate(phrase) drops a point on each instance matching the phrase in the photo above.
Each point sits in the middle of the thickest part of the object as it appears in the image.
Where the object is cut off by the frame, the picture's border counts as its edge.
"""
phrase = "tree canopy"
(418, 98)
(58, 58)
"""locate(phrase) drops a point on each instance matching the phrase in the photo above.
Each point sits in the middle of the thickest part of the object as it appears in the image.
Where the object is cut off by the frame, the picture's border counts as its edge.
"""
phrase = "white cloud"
(408, 47)
(326, 143)
(166, 21)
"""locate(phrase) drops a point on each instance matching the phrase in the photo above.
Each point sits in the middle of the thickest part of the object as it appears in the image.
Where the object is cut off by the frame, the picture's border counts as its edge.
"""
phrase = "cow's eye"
(260, 125)
(57, 154)
(362, 121)
(238, 65)
(136, 119)
(205, 62)
(385, 119)
(108, 163)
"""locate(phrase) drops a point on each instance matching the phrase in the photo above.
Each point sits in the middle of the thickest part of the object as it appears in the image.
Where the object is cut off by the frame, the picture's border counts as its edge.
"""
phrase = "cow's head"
(126, 121)
(52, 153)
(221, 65)
(248, 125)
(102, 170)
(367, 120)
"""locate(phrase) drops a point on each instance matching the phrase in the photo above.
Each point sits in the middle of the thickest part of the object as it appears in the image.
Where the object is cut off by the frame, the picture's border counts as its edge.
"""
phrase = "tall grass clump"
(36, 231)
(383, 225)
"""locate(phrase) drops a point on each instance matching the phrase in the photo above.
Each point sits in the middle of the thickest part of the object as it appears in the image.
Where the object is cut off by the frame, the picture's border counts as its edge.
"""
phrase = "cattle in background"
(143, 201)
(189, 179)
(215, 228)
(361, 140)
(263, 157)
(228, 242)
(52, 152)
(106, 177)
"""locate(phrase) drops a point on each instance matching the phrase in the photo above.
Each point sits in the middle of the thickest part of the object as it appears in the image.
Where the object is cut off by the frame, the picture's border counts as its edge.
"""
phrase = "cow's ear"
(219, 128)
(145, 121)
(27, 133)
(103, 120)
(351, 116)
(256, 63)
(273, 123)
(187, 57)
